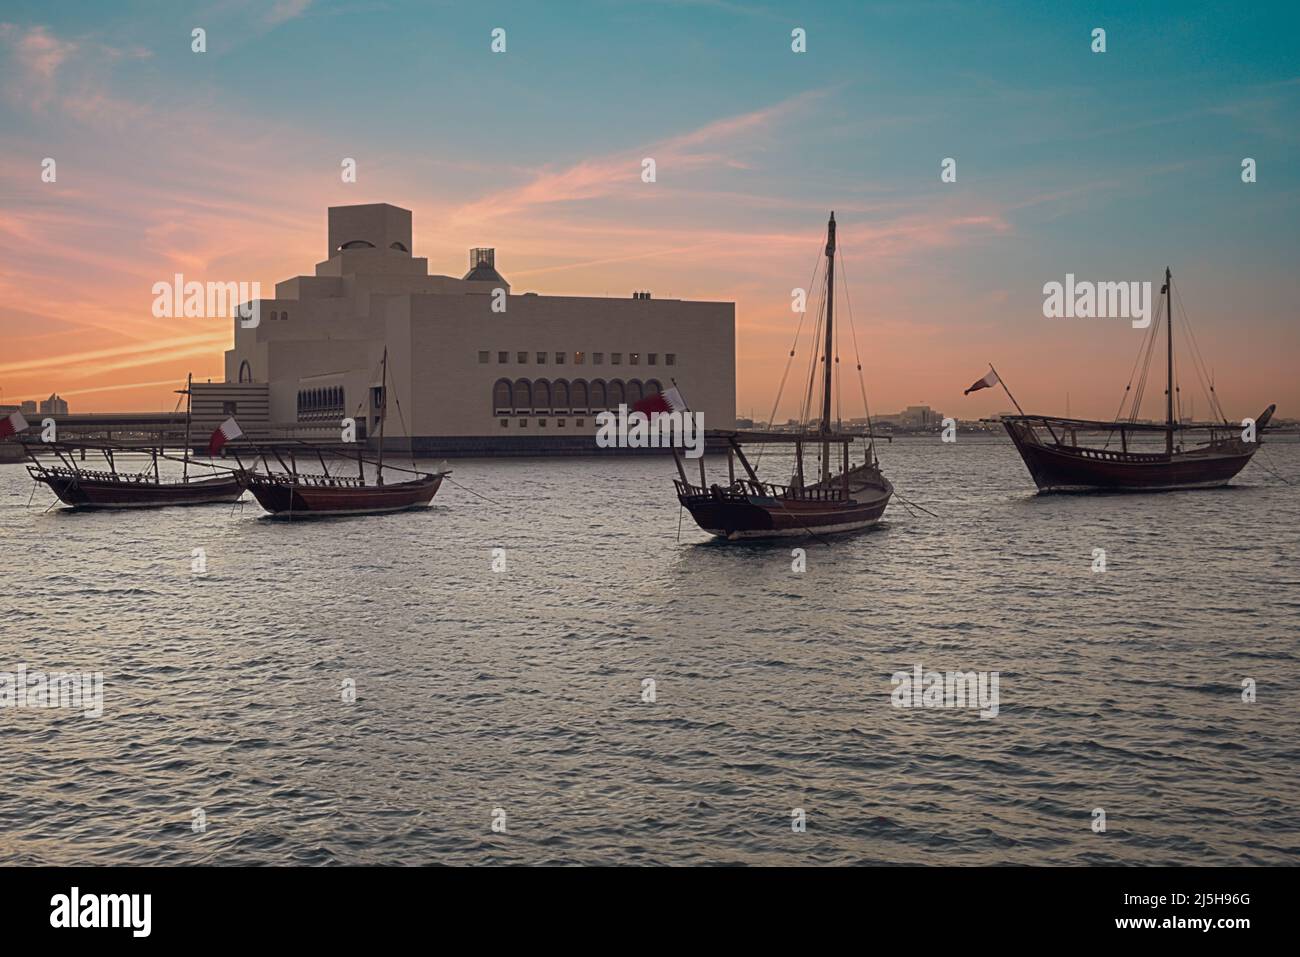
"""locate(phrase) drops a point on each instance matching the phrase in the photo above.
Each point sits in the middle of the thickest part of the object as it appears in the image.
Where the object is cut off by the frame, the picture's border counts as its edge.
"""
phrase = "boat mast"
(830, 318)
(383, 413)
(189, 406)
(1169, 390)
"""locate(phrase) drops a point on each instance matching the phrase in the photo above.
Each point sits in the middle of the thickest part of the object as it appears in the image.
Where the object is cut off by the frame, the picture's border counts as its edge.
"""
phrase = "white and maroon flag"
(12, 424)
(228, 431)
(987, 382)
(670, 401)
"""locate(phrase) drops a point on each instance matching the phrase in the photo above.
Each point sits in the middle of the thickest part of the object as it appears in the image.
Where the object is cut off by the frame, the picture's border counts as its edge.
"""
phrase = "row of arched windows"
(564, 395)
(325, 403)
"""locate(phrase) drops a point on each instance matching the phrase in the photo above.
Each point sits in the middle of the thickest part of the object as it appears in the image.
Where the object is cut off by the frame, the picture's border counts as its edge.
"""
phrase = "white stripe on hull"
(793, 532)
(300, 513)
(92, 506)
(1214, 483)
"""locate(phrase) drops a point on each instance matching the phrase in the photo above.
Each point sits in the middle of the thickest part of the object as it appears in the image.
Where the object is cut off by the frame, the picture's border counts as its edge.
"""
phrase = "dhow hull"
(1057, 469)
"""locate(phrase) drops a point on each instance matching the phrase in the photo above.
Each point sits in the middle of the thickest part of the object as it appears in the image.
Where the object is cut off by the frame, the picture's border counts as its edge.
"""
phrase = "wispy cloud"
(617, 173)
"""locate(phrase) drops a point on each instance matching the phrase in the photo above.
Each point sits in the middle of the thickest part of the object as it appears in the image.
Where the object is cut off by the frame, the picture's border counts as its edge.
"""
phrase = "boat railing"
(742, 489)
(91, 475)
(1110, 455)
(302, 478)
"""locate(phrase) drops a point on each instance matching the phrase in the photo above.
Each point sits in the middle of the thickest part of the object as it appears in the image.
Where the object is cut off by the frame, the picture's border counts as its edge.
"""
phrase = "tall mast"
(383, 414)
(830, 320)
(189, 407)
(1169, 391)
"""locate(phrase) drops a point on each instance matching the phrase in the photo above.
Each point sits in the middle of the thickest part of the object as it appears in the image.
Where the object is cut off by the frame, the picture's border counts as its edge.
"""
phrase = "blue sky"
(1106, 165)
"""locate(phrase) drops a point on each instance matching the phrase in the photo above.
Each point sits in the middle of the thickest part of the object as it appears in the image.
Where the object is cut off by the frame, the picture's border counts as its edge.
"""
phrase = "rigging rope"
(771, 419)
(1202, 372)
(857, 358)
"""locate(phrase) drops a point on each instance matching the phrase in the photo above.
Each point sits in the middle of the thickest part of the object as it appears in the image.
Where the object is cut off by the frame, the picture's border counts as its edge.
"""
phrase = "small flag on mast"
(228, 431)
(656, 402)
(12, 424)
(986, 382)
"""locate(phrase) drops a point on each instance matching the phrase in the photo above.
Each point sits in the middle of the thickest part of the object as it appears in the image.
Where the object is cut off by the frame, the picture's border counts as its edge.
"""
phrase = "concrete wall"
(453, 389)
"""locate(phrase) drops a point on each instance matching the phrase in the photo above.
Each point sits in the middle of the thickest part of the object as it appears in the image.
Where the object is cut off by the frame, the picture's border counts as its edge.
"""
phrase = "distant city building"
(913, 417)
(921, 417)
(54, 405)
(472, 367)
(29, 406)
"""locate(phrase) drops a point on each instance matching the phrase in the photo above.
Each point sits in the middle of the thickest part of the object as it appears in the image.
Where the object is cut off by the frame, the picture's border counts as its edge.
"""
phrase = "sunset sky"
(1112, 165)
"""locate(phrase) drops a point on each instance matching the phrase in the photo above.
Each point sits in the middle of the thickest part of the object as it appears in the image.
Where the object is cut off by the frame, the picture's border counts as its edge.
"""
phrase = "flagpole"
(679, 392)
(1006, 390)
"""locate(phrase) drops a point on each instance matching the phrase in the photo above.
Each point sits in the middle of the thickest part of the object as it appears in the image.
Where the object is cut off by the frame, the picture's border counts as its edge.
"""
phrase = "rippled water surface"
(522, 689)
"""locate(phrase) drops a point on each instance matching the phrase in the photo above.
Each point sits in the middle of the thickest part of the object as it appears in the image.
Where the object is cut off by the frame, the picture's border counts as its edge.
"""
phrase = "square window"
(670, 358)
(559, 358)
(482, 357)
(652, 359)
(579, 358)
(541, 358)
(559, 423)
(503, 357)
(505, 423)
(523, 423)
(523, 357)
(616, 358)
(541, 423)
(597, 358)
(634, 359)
(228, 408)
(579, 422)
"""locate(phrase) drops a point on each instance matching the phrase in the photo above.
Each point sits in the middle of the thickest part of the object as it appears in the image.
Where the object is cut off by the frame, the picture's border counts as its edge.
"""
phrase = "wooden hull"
(737, 516)
(97, 494)
(1056, 468)
(286, 500)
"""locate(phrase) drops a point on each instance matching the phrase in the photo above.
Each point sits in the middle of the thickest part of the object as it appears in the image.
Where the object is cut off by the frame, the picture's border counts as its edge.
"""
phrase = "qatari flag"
(987, 382)
(12, 424)
(652, 405)
(228, 431)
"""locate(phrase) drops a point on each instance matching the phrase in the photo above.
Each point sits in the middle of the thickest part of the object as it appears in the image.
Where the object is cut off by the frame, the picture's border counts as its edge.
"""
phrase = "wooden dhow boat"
(841, 497)
(1124, 455)
(292, 494)
(58, 465)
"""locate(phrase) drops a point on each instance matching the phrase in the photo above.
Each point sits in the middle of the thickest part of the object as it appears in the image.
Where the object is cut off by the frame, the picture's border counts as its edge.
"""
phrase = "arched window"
(578, 395)
(652, 386)
(542, 395)
(560, 395)
(617, 394)
(357, 244)
(598, 395)
(398, 246)
(274, 315)
(501, 400)
(634, 392)
(245, 371)
(523, 394)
